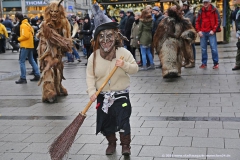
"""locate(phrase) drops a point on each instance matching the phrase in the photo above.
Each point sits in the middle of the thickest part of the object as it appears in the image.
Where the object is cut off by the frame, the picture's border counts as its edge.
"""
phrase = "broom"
(64, 141)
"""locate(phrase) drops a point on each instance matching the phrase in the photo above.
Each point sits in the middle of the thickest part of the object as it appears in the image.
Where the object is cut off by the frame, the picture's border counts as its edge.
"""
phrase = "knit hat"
(121, 12)
(186, 3)
(156, 8)
(101, 21)
(130, 11)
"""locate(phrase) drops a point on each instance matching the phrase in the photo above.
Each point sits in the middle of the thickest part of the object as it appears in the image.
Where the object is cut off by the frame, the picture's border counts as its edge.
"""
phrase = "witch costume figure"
(172, 41)
(113, 103)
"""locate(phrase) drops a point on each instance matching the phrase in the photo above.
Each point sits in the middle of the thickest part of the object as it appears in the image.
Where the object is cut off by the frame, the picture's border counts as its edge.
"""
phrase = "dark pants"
(238, 54)
(117, 117)
(2, 45)
(88, 49)
(130, 49)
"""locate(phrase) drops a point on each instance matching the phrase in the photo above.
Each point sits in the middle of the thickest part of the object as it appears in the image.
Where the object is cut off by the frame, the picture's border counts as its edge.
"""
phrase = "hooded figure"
(113, 103)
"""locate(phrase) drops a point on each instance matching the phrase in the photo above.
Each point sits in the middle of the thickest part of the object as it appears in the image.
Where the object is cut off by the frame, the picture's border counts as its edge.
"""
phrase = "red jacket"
(208, 20)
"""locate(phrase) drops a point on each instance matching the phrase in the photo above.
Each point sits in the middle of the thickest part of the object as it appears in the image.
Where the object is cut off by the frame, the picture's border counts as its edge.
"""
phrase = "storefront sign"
(36, 3)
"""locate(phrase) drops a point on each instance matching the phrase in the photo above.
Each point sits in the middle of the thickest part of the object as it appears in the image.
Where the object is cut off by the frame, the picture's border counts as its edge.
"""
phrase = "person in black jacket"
(87, 34)
(158, 17)
(128, 27)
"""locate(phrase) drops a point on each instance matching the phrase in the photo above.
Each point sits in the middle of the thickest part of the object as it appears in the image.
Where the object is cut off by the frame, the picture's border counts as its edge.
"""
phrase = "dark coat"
(122, 24)
(128, 28)
(87, 33)
(158, 19)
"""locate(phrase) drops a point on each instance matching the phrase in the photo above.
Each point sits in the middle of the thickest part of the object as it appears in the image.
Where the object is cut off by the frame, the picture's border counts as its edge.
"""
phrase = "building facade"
(33, 8)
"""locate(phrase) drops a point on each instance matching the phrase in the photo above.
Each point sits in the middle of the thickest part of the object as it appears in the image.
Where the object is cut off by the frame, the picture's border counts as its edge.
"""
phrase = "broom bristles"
(64, 141)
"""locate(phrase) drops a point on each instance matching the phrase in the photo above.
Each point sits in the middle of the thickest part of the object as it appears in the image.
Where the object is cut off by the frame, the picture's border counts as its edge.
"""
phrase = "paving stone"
(232, 143)
(141, 131)
(136, 124)
(155, 151)
(59, 123)
(223, 133)
(181, 124)
(155, 124)
(15, 137)
(75, 148)
(186, 109)
(90, 139)
(15, 129)
(56, 130)
(37, 156)
(41, 138)
(231, 125)
(13, 147)
(77, 157)
(197, 114)
(230, 109)
(38, 130)
(208, 142)
(2, 135)
(17, 122)
(208, 124)
(100, 157)
(15, 156)
(176, 141)
(210, 109)
(3, 128)
(163, 109)
(221, 115)
(99, 149)
(229, 154)
(193, 132)
(135, 158)
(87, 130)
(39, 123)
(165, 132)
(189, 152)
(168, 159)
(173, 114)
(146, 140)
(37, 148)
(148, 114)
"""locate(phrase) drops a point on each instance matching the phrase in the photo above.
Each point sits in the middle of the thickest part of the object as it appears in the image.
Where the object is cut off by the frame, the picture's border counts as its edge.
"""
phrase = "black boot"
(21, 81)
(36, 78)
(125, 142)
(111, 144)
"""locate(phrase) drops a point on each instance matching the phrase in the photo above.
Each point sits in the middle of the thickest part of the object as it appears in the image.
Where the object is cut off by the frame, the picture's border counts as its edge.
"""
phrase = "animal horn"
(175, 2)
(60, 3)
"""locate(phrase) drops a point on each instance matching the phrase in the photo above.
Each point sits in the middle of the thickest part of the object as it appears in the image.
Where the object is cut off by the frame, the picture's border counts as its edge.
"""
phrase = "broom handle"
(101, 88)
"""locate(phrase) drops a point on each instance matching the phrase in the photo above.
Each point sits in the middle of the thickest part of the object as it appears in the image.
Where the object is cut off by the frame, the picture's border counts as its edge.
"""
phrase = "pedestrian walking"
(87, 34)
(145, 38)
(237, 63)
(134, 36)
(3, 37)
(26, 46)
(127, 30)
(207, 24)
(188, 61)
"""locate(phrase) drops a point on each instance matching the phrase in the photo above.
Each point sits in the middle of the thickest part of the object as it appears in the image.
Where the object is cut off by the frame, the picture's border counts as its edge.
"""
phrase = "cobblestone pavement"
(196, 116)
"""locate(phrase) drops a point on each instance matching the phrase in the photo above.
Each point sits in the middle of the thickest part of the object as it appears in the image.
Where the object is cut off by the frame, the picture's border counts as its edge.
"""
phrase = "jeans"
(213, 44)
(27, 53)
(146, 51)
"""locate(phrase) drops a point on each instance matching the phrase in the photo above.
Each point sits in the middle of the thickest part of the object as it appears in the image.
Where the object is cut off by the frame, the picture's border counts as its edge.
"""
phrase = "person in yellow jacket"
(26, 49)
(3, 37)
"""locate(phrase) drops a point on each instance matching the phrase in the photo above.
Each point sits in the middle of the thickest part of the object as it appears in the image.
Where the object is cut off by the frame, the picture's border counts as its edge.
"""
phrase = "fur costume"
(54, 41)
(172, 41)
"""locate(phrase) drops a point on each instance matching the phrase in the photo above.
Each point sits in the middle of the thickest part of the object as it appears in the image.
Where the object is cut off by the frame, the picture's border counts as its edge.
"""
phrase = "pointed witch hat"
(101, 21)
